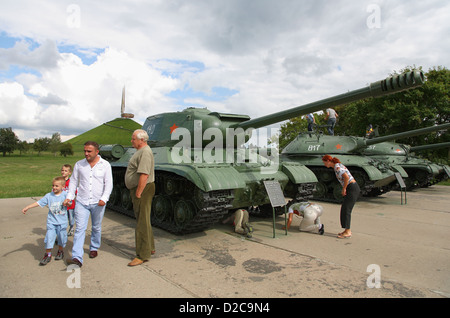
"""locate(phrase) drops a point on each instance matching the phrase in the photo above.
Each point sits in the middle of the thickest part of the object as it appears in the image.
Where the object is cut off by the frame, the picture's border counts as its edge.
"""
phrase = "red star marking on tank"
(174, 126)
(338, 146)
(398, 150)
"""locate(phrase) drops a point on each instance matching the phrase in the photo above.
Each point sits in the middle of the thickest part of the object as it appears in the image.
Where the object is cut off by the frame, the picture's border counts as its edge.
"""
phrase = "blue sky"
(63, 64)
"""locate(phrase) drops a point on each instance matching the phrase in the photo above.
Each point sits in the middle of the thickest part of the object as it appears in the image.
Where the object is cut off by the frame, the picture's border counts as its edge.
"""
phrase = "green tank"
(372, 162)
(421, 172)
(202, 169)
(444, 169)
(373, 176)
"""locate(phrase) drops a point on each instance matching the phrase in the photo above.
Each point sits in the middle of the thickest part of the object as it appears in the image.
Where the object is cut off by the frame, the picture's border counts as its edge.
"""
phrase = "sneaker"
(322, 229)
(59, 255)
(45, 260)
(74, 261)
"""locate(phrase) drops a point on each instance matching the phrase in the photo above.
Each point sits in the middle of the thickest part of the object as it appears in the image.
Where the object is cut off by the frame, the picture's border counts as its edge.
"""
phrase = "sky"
(63, 64)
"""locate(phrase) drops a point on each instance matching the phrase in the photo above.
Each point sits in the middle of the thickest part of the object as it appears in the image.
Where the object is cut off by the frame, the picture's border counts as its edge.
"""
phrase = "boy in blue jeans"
(56, 219)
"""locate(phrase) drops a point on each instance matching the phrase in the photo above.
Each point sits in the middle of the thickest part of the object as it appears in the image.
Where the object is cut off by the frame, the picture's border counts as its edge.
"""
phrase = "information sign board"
(275, 193)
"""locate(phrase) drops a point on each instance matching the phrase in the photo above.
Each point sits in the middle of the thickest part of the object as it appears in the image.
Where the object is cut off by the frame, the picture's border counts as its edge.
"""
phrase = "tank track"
(419, 178)
(178, 206)
(329, 189)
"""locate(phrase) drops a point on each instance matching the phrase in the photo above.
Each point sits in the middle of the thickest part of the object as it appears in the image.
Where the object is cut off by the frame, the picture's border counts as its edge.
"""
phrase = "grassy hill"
(117, 131)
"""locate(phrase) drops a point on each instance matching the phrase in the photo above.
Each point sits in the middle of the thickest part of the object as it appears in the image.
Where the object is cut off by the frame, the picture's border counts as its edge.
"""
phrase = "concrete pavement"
(406, 246)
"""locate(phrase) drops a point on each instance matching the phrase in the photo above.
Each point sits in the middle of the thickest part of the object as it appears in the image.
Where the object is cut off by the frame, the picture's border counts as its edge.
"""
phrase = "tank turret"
(411, 133)
(202, 169)
(421, 172)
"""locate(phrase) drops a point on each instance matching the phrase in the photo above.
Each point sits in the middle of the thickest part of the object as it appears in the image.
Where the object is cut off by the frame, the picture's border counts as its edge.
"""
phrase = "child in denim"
(56, 219)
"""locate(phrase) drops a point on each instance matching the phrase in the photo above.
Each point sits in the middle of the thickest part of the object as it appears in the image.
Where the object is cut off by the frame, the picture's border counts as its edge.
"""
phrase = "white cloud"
(271, 54)
(74, 97)
(45, 56)
(16, 104)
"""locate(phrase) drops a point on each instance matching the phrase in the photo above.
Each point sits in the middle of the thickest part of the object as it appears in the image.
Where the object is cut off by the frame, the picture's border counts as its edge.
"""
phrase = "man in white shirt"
(92, 178)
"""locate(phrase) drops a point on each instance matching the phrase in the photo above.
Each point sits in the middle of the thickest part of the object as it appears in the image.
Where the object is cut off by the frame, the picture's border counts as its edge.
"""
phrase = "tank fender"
(400, 170)
(298, 173)
(207, 178)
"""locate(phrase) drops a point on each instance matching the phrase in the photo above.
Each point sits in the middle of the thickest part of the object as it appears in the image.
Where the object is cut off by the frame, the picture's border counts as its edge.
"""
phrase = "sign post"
(402, 184)
(277, 199)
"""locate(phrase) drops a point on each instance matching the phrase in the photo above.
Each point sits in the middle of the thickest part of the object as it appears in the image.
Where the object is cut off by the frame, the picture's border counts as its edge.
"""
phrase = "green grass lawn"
(31, 175)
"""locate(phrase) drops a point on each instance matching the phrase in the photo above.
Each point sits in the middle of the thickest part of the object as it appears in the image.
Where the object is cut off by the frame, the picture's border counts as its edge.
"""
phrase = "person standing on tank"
(350, 192)
(93, 182)
(331, 120)
(140, 180)
(311, 122)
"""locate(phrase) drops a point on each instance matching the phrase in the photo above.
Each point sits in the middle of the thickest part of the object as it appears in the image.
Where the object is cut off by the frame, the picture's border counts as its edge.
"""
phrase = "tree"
(8, 140)
(55, 143)
(41, 144)
(66, 149)
(23, 146)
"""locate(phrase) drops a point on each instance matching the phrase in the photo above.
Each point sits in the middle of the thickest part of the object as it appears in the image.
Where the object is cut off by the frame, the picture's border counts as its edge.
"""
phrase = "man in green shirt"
(140, 180)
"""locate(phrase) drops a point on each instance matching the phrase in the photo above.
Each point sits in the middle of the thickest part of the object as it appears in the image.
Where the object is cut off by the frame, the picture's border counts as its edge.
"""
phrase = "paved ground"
(408, 245)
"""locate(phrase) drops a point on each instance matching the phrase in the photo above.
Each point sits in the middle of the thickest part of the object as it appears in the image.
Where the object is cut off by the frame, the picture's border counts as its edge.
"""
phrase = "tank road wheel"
(199, 198)
(321, 190)
(114, 198)
(161, 208)
(326, 175)
(170, 186)
(183, 212)
(126, 202)
(360, 179)
(337, 192)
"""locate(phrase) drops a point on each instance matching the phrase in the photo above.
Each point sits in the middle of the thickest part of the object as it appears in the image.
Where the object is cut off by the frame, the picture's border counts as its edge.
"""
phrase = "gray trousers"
(311, 218)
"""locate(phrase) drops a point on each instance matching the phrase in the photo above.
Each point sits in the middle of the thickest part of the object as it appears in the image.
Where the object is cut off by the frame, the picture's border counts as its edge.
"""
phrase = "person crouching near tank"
(311, 213)
(241, 224)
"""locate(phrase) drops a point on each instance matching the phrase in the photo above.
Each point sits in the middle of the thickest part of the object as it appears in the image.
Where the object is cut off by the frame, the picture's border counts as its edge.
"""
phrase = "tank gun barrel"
(433, 146)
(390, 85)
(416, 132)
